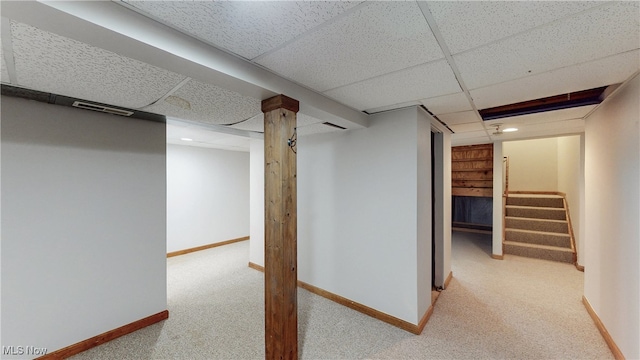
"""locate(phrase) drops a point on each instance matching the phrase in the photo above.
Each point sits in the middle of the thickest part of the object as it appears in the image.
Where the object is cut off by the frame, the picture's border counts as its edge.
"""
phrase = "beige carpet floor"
(517, 308)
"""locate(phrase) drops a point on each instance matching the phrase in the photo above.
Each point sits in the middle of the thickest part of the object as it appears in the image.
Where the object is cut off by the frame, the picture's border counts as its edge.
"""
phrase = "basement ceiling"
(454, 58)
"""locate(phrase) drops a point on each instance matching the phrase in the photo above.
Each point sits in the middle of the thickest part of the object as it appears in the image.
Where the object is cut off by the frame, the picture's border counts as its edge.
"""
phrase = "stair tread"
(538, 232)
(535, 207)
(547, 247)
(536, 196)
(535, 219)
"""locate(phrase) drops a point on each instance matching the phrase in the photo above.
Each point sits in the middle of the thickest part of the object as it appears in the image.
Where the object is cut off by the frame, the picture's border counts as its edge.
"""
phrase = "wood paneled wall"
(472, 170)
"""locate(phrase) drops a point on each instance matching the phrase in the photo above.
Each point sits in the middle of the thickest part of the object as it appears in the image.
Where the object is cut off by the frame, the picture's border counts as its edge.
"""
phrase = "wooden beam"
(280, 249)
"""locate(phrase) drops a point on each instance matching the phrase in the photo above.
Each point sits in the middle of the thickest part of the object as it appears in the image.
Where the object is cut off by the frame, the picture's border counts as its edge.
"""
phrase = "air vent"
(101, 108)
(334, 125)
(564, 101)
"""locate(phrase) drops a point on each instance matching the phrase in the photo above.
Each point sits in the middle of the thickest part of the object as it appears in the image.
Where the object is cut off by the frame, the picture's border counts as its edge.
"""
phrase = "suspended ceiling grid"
(451, 57)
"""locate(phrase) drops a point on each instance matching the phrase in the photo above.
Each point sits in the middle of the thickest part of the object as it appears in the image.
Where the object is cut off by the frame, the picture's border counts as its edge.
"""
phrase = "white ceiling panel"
(419, 82)
(610, 70)
(256, 123)
(597, 33)
(52, 63)
(457, 118)
(246, 28)
(544, 117)
(318, 128)
(493, 20)
(448, 103)
(530, 131)
(378, 38)
(462, 117)
(392, 107)
(5, 73)
(469, 127)
(467, 138)
(197, 101)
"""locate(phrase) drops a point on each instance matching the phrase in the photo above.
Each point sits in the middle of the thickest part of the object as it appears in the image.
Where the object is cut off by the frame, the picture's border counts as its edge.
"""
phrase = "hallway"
(517, 308)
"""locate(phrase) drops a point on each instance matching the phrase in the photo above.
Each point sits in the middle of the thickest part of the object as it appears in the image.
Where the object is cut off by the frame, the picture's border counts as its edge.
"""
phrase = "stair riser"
(539, 239)
(550, 213)
(544, 254)
(548, 226)
(534, 201)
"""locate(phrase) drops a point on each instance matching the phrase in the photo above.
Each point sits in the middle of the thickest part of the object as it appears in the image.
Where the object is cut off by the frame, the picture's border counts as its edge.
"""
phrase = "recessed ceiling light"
(186, 139)
(511, 129)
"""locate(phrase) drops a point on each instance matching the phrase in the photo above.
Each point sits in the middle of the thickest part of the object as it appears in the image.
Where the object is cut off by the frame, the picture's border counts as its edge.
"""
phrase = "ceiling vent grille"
(101, 108)
(334, 125)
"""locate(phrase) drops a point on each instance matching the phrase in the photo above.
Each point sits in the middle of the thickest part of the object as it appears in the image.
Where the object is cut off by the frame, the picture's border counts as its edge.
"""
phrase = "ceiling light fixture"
(511, 129)
(186, 139)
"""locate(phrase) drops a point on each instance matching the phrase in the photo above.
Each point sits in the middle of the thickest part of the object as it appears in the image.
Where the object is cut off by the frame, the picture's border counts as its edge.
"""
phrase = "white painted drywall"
(207, 196)
(570, 176)
(498, 178)
(358, 227)
(446, 217)
(83, 223)
(442, 218)
(533, 164)
(357, 213)
(423, 195)
(612, 215)
(256, 242)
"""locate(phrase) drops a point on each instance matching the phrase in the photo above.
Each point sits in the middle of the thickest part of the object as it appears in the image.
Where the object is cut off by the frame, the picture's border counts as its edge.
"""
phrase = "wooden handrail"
(571, 235)
(506, 177)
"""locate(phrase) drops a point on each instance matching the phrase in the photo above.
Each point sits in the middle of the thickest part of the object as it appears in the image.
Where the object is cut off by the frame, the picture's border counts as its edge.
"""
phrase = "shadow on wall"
(472, 212)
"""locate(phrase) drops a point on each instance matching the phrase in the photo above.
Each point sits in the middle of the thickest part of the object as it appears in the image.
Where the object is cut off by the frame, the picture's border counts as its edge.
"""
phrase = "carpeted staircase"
(536, 226)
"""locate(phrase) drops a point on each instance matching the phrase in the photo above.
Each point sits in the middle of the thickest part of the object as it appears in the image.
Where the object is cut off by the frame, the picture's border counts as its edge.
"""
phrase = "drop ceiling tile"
(52, 63)
(544, 117)
(246, 28)
(610, 70)
(256, 123)
(376, 39)
(419, 82)
(603, 31)
(393, 107)
(468, 138)
(462, 117)
(318, 128)
(493, 20)
(552, 129)
(469, 127)
(198, 101)
(4, 72)
(447, 103)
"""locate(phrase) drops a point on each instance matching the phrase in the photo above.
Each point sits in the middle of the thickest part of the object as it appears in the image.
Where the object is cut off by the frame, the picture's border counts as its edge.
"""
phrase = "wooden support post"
(280, 249)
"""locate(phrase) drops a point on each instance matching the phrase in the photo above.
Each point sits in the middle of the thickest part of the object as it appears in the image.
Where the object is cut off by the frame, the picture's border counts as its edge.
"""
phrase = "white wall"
(207, 196)
(423, 198)
(533, 164)
(570, 180)
(442, 200)
(83, 223)
(612, 231)
(256, 244)
(358, 198)
(498, 176)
